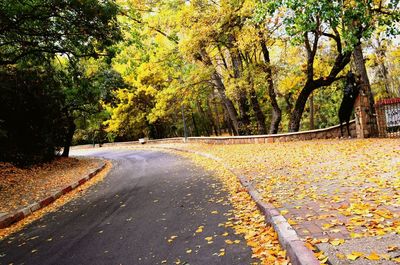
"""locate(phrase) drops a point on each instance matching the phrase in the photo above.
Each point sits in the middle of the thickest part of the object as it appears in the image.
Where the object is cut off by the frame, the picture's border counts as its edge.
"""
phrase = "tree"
(384, 65)
(86, 84)
(34, 33)
(366, 16)
(310, 23)
(39, 29)
(31, 107)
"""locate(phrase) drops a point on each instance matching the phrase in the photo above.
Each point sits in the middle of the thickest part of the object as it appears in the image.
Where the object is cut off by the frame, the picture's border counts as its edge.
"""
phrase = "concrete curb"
(295, 248)
(8, 219)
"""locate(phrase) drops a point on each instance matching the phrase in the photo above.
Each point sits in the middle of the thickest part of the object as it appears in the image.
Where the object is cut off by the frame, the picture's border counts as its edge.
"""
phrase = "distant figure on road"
(350, 93)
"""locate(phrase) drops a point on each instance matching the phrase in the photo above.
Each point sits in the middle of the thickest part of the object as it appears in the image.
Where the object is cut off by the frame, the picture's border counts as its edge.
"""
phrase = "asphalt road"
(146, 211)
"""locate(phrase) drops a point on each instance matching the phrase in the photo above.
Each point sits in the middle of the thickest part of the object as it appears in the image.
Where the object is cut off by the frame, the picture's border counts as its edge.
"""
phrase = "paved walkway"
(332, 192)
(152, 208)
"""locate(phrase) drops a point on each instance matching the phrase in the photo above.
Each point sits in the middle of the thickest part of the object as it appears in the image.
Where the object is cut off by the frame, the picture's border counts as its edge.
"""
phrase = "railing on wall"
(388, 116)
(326, 133)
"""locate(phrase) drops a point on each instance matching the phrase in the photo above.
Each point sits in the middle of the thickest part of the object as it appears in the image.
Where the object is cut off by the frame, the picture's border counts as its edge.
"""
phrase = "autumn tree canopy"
(246, 66)
(219, 67)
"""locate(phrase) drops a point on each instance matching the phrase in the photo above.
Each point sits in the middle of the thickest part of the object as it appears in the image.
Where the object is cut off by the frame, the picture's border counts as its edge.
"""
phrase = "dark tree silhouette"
(350, 93)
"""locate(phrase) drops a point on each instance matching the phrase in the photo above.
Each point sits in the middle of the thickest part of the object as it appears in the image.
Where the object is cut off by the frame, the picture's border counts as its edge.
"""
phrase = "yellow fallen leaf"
(340, 256)
(327, 226)
(189, 251)
(309, 246)
(336, 242)
(373, 256)
(283, 212)
(324, 260)
(396, 260)
(354, 255)
(171, 239)
(355, 235)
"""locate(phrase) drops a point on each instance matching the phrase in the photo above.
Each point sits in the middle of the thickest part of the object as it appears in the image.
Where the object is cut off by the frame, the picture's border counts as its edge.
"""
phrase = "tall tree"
(42, 28)
(33, 33)
(366, 16)
(309, 23)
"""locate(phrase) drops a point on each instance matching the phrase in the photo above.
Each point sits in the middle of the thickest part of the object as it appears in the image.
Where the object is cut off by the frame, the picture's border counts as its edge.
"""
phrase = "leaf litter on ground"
(247, 220)
(348, 188)
(79, 169)
(20, 187)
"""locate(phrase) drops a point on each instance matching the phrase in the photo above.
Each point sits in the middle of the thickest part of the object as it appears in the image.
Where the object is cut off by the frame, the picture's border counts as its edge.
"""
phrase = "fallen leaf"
(373, 256)
(354, 255)
(336, 242)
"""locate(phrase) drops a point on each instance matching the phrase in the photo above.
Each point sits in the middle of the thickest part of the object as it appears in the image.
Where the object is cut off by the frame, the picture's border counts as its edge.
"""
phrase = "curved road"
(146, 211)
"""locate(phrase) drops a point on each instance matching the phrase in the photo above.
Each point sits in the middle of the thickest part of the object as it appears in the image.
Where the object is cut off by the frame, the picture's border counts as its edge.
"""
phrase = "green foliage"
(92, 85)
(43, 82)
(38, 29)
(32, 116)
(326, 107)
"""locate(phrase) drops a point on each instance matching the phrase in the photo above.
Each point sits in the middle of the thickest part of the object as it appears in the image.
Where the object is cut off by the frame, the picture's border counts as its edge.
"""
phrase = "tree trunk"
(297, 113)
(217, 120)
(185, 130)
(70, 134)
(366, 87)
(381, 52)
(244, 125)
(341, 60)
(385, 78)
(312, 127)
(196, 129)
(228, 122)
(230, 108)
(262, 129)
(211, 118)
(242, 102)
(276, 111)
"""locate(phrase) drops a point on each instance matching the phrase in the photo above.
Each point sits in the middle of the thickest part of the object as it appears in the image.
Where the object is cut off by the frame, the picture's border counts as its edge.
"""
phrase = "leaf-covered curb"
(8, 219)
(297, 252)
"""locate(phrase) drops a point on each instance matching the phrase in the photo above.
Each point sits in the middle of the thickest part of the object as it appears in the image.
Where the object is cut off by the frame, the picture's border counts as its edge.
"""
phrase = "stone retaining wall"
(327, 133)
